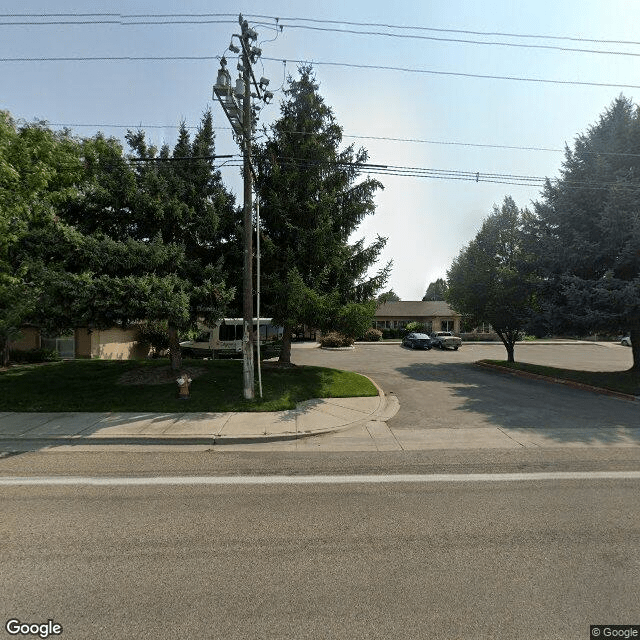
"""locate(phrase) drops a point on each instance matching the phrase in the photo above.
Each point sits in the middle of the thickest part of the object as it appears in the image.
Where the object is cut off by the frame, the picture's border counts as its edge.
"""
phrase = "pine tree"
(436, 290)
(311, 204)
(589, 230)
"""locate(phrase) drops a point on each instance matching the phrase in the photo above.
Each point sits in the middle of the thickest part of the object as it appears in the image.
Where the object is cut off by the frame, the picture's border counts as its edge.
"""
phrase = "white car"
(626, 341)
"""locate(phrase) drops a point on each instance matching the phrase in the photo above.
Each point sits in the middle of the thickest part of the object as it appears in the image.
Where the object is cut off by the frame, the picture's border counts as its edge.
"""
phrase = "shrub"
(35, 355)
(335, 340)
(416, 327)
(372, 335)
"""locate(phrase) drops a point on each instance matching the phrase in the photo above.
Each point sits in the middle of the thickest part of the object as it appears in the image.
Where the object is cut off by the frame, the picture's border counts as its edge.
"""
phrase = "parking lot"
(445, 390)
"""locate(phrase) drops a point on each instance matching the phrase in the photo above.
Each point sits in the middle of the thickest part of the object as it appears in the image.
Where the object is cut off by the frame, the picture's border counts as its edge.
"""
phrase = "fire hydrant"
(183, 386)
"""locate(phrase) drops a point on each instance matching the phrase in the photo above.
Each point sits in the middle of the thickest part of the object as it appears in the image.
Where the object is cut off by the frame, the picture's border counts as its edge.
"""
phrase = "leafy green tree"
(488, 280)
(38, 169)
(588, 230)
(436, 290)
(311, 204)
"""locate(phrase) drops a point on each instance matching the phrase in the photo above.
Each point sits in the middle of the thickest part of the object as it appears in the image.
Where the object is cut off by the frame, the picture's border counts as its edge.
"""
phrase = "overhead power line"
(461, 40)
(469, 176)
(358, 137)
(455, 73)
(442, 30)
(129, 21)
(327, 63)
(193, 18)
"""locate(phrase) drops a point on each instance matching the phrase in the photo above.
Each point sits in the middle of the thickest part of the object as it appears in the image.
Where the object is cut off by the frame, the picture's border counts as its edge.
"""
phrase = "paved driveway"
(444, 390)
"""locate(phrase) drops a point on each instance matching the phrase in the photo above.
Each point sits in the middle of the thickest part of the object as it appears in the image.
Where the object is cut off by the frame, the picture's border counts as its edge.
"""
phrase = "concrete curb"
(332, 409)
(566, 383)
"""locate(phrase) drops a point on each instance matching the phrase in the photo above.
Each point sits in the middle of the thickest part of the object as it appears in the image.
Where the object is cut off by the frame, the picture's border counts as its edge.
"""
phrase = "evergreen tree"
(388, 296)
(588, 230)
(134, 243)
(436, 290)
(311, 203)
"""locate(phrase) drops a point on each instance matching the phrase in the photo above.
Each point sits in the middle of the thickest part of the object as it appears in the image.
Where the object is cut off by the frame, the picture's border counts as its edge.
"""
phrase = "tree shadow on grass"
(532, 411)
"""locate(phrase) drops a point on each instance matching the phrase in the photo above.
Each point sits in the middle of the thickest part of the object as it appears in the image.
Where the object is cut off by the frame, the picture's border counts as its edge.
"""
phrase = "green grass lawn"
(93, 385)
(622, 381)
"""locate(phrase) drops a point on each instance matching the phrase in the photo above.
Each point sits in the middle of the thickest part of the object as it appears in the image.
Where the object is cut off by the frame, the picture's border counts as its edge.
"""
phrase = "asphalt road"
(444, 389)
(534, 559)
(528, 559)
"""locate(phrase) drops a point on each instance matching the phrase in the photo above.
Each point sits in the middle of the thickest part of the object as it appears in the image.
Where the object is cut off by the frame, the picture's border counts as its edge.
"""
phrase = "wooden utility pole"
(247, 284)
(236, 103)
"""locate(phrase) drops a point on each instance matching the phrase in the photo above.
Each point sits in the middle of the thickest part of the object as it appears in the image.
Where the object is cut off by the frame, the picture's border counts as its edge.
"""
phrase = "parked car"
(417, 341)
(445, 340)
(626, 341)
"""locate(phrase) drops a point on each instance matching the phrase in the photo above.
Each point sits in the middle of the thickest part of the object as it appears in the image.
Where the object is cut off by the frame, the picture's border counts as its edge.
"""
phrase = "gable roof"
(418, 308)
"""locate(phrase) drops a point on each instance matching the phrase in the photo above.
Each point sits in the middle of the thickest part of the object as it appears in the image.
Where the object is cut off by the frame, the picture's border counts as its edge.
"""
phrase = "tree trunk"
(285, 351)
(174, 349)
(509, 345)
(634, 334)
(5, 352)
(509, 341)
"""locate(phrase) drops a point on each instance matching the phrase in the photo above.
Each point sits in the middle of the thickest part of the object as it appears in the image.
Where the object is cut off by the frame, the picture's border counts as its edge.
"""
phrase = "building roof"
(418, 308)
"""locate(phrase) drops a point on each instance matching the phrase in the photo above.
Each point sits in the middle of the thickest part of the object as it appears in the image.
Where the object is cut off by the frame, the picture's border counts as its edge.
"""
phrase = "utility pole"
(236, 103)
(247, 299)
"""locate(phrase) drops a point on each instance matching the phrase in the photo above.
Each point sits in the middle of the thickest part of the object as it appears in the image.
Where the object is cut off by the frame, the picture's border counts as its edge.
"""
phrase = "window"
(230, 332)
(446, 325)
(65, 344)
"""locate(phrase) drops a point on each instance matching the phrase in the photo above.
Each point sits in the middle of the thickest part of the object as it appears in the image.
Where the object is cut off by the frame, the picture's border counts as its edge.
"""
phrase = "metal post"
(247, 292)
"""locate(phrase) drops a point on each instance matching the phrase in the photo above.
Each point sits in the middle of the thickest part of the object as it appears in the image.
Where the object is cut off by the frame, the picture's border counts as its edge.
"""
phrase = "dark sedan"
(417, 341)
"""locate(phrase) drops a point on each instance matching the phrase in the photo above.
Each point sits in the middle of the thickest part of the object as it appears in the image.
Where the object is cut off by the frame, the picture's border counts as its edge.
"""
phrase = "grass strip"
(93, 385)
(621, 381)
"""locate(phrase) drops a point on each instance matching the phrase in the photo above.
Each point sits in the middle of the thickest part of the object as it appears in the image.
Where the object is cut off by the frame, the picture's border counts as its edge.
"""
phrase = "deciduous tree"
(488, 280)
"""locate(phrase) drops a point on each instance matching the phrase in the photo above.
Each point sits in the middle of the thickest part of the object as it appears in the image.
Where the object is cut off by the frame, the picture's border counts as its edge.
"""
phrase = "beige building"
(108, 344)
(436, 315)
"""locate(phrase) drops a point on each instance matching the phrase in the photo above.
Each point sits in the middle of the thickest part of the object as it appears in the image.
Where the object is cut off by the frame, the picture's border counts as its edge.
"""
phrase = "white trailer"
(225, 338)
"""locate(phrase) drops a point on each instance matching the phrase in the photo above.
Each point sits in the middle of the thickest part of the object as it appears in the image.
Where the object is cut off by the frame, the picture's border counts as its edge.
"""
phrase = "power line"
(361, 137)
(327, 63)
(463, 175)
(132, 22)
(441, 30)
(121, 23)
(455, 73)
(108, 58)
(462, 41)
(279, 20)
(162, 19)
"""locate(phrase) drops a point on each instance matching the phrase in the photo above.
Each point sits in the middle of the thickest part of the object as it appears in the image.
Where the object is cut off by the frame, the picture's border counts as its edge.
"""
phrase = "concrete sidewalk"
(309, 418)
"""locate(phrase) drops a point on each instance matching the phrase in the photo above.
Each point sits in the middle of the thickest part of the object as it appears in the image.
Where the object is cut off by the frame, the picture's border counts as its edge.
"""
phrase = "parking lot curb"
(566, 383)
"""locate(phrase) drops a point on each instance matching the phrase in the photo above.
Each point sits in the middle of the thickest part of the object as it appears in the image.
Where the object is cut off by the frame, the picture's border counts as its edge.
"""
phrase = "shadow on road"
(525, 406)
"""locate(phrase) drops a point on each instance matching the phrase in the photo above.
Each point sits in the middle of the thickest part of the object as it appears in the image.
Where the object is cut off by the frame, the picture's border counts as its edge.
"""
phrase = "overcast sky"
(459, 121)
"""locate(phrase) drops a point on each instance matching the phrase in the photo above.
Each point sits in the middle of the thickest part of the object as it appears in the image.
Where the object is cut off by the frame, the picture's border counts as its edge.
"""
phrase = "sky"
(451, 117)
